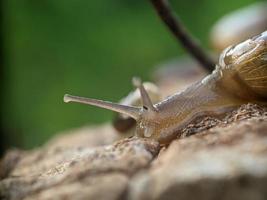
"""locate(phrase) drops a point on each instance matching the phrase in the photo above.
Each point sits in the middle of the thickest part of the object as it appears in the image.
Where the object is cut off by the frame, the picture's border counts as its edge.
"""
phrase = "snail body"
(239, 77)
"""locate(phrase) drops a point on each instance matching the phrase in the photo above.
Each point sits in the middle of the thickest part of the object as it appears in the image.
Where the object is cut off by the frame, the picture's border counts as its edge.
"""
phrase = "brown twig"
(180, 32)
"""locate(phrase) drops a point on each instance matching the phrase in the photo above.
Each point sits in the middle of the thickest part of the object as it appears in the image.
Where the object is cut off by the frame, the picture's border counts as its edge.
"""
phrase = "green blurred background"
(88, 48)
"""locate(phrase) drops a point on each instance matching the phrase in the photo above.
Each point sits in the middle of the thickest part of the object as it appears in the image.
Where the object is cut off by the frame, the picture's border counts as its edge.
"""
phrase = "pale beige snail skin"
(240, 77)
(125, 125)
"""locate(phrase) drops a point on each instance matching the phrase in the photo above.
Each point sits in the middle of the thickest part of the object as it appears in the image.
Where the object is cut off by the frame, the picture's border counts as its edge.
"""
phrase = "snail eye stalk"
(147, 103)
(127, 110)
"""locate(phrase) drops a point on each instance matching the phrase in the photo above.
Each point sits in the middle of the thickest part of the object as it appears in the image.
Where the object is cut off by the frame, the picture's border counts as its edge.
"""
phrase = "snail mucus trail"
(239, 77)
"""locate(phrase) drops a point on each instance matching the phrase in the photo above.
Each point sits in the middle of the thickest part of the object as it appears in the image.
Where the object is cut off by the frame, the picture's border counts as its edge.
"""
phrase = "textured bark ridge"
(215, 159)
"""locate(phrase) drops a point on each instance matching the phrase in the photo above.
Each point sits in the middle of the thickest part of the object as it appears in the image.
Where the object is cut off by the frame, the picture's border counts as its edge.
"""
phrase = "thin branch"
(180, 32)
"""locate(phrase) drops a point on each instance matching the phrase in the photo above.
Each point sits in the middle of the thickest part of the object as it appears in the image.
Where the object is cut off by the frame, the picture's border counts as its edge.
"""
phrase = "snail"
(239, 77)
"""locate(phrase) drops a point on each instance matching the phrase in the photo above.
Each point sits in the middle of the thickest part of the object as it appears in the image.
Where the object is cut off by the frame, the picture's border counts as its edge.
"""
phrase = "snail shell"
(242, 69)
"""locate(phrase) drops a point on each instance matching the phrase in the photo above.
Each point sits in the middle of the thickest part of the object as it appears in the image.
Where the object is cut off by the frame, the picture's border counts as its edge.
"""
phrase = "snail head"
(146, 115)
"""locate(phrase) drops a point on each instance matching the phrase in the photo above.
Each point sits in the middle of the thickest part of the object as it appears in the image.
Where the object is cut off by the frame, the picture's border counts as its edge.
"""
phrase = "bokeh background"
(88, 48)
